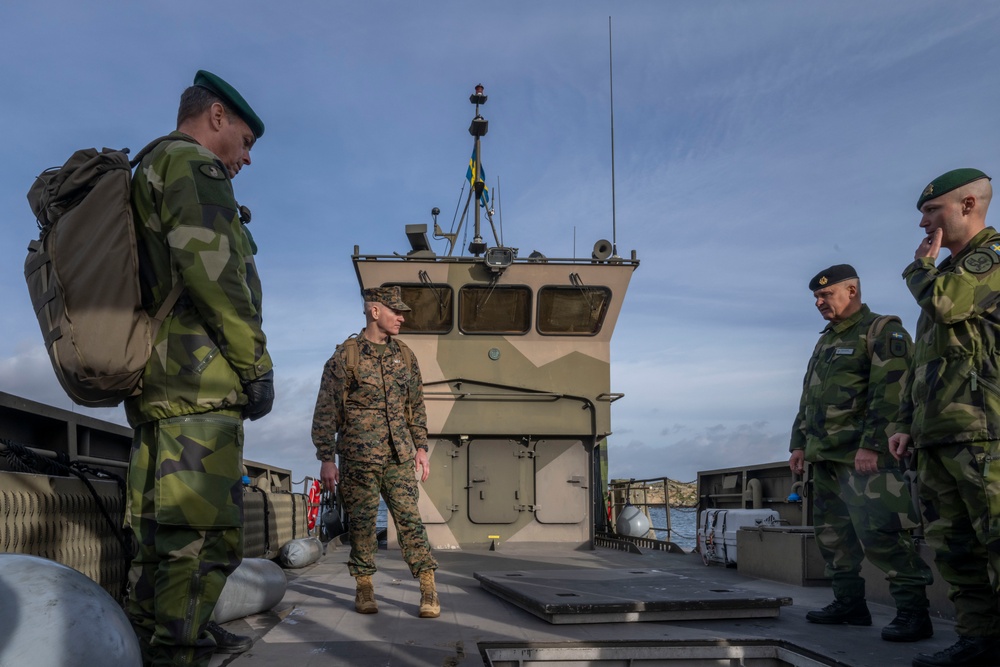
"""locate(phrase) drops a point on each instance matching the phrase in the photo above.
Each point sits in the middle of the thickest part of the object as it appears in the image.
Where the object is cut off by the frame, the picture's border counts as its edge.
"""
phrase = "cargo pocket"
(199, 466)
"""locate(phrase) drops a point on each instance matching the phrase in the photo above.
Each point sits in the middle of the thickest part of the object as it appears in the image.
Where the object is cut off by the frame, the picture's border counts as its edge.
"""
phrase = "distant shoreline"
(682, 494)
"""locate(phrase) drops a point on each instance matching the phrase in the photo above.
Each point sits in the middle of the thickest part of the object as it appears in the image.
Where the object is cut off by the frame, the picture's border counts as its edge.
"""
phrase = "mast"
(478, 129)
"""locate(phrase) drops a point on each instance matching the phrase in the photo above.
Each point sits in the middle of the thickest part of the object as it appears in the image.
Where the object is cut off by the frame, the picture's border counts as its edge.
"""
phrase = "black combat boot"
(910, 625)
(852, 611)
(226, 641)
(966, 652)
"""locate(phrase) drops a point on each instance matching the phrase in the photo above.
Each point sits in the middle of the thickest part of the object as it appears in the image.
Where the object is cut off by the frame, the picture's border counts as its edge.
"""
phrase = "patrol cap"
(387, 296)
(232, 98)
(949, 181)
(835, 274)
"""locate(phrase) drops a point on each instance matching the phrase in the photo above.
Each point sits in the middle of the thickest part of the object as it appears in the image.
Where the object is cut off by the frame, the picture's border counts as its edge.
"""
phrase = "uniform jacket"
(188, 229)
(850, 400)
(955, 389)
(384, 418)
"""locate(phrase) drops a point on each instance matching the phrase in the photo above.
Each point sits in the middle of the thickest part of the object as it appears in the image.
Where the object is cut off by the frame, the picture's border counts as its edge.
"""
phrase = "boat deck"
(315, 625)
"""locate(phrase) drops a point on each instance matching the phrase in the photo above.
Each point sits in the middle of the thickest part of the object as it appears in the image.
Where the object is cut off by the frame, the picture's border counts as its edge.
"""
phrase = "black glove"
(260, 396)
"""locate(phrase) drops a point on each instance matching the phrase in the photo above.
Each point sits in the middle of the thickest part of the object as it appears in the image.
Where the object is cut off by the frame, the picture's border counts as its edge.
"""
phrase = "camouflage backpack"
(83, 276)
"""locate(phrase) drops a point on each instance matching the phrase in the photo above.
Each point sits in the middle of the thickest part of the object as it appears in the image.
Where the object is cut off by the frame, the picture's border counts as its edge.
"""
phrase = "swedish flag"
(470, 174)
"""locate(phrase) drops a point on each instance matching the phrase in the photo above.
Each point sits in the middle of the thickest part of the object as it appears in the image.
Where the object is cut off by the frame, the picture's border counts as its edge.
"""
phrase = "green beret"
(231, 97)
(387, 296)
(831, 276)
(949, 181)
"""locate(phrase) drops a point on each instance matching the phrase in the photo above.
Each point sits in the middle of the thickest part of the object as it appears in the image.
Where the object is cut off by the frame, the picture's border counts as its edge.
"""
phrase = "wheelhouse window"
(494, 309)
(433, 310)
(572, 310)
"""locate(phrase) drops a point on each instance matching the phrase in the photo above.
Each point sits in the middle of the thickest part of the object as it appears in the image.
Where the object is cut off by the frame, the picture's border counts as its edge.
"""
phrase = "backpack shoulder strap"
(134, 162)
(351, 356)
(875, 330)
(167, 305)
(176, 291)
(408, 360)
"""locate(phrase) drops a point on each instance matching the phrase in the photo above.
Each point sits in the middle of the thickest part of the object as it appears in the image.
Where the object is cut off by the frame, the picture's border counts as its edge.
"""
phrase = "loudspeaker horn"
(602, 249)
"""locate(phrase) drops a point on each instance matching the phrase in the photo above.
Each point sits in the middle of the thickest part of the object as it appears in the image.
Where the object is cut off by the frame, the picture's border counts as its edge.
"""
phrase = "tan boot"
(430, 607)
(364, 599)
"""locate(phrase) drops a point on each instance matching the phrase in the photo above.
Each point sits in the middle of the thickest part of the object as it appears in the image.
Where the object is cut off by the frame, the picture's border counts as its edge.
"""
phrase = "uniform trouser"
(855, 516)
(360, 485)
(185, 506)
(960, 492)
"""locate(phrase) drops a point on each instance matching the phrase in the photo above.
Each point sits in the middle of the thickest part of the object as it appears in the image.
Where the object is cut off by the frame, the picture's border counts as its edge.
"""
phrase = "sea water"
(683, 524)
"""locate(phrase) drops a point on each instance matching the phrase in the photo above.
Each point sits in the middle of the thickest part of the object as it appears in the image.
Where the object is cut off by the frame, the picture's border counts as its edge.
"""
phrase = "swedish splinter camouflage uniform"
(851, 401)
(185, 495)
(955, 406)
(380, 425)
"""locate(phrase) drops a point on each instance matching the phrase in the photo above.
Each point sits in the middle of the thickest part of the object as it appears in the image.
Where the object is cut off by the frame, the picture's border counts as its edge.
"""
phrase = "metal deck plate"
(744, 653)
(588, 595)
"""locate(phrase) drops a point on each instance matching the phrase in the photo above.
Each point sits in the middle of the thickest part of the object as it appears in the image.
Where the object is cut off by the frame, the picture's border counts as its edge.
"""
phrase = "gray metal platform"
(316, 625)
(585, 595)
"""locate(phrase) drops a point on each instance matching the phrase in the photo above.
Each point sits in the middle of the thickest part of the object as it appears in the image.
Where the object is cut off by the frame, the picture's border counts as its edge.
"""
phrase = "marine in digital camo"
(370, 414)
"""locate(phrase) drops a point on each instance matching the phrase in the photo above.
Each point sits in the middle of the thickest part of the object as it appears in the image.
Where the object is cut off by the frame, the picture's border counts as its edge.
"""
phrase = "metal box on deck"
(782, 553)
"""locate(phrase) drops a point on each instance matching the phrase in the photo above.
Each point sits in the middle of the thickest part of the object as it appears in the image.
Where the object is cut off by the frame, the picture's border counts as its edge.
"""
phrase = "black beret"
(231, 96)
(949, 181)
(831, 276)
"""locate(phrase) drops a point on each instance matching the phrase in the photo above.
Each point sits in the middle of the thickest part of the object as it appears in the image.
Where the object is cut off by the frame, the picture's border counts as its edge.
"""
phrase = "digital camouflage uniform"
(851, 401)
(380, 425)
(185, 493)
(954, 404)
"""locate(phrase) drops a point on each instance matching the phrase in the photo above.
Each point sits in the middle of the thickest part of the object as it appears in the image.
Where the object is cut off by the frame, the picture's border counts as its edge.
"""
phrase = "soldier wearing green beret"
(370, 415)
(953, 406)
(210, 369)
(861, 502)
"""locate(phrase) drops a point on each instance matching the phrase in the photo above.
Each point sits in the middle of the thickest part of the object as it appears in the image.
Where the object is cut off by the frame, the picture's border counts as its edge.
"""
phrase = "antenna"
(496, 197)
(614, 223)
(439, 234)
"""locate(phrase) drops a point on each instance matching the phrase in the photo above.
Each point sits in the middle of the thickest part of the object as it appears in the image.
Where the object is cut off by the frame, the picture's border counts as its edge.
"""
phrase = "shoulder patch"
(213, 186)
(981, 260)
(897, 344)
(212, 171)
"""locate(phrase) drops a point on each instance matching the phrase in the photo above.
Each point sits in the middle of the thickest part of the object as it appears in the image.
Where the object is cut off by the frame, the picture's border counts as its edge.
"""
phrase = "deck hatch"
(587, 595)
(693, 653)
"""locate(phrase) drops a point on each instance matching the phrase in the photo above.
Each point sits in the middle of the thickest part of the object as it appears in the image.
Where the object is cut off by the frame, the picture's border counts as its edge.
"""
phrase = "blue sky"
(756, 143)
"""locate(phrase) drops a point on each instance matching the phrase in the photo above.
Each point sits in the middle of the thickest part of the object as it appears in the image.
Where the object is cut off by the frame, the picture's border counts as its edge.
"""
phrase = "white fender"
(301, 552)
(52, 615)
(632, 522)
(257, 585)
